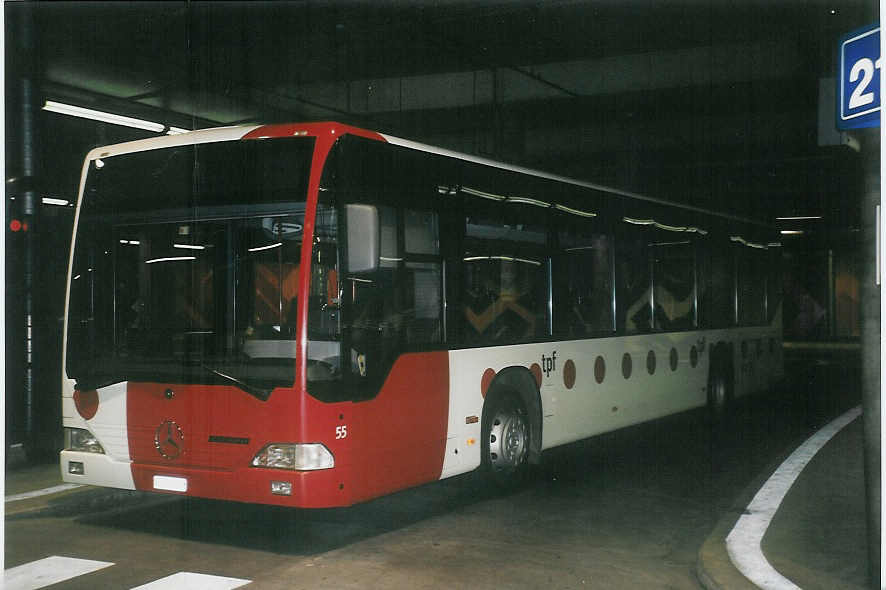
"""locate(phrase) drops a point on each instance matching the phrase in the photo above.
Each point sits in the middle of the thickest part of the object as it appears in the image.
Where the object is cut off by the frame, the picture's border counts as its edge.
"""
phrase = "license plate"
(170, 484)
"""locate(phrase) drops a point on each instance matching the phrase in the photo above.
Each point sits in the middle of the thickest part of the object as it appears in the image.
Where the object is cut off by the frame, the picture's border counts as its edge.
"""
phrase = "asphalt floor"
(817, 538)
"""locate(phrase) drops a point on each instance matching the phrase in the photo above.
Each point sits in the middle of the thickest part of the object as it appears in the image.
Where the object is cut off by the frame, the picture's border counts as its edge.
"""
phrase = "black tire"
(720, 388)
(506, 440)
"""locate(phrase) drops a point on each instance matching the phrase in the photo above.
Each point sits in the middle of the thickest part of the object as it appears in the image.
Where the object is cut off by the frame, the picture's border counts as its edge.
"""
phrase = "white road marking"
(43, 492)
(743, 542)
(48, 571)
(193, 581)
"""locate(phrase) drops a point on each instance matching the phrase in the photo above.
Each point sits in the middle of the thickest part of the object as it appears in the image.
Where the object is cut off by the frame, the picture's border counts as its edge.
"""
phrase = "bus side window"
(421, 283)
(372, 326)
(504, 270)
(773, 283)
(323, 301)
(673, 279)
(703, 282)
(719, 274)
(751, 279)
(399, 305)
(633, 282)
(583, 283)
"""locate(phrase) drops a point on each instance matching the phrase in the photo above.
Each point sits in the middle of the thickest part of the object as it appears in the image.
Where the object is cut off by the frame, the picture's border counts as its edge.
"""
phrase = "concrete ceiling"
(714, 103)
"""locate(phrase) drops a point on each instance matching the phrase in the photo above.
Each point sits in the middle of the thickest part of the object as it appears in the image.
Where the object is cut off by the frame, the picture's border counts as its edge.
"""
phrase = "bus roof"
(166, 141)
(317, 128)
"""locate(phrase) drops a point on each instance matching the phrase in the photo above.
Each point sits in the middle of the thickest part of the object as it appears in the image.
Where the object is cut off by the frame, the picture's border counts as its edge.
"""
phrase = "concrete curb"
(713, 568)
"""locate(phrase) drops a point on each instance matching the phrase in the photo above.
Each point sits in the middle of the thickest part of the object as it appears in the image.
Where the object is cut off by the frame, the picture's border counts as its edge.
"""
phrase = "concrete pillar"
(23, 101)
(870, 342)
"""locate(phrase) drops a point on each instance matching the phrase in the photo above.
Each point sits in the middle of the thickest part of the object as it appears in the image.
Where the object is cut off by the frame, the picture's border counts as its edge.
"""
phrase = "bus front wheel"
(506, 440)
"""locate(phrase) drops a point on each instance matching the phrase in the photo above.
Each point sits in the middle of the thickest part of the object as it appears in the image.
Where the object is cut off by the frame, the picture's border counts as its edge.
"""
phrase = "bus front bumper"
(298, 489)
(95, 469)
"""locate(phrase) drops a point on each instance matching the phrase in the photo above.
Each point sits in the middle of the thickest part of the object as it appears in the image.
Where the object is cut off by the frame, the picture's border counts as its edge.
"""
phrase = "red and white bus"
(314, 315)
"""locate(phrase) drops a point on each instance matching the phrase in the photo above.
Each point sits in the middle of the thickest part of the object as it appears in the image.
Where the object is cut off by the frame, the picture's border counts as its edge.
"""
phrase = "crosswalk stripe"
(48, 571)
(193, 581)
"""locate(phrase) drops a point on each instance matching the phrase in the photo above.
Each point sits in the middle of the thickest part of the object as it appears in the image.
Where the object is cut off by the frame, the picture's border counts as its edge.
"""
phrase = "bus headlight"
(79, 439)
(295, 456)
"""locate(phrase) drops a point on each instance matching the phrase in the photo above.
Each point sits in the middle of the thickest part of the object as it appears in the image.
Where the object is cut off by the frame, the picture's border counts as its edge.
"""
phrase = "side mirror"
(363, 237)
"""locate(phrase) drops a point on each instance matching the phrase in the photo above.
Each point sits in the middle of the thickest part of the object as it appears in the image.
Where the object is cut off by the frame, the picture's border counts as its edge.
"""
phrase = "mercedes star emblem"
(169, 439)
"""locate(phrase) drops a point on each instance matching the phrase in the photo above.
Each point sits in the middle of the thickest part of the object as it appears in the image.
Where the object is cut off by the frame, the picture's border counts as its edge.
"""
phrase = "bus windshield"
(186, 266)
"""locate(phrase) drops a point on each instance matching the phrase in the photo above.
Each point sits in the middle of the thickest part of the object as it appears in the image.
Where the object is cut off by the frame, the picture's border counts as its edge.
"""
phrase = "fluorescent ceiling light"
(177, 131)
(74, 111)
(798, 218)
(188, 247)
(54, 201)
(791, 232)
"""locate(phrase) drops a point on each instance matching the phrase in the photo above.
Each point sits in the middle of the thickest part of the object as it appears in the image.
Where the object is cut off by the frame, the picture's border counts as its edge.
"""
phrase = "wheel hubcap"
(718, 396)
(507, 440)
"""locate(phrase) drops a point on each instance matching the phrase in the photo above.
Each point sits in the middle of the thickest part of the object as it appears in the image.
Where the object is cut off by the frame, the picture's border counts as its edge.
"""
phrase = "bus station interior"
(726, 106)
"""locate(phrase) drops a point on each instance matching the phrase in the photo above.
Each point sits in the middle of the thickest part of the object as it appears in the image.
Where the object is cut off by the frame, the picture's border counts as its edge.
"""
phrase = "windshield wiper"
(253, 390)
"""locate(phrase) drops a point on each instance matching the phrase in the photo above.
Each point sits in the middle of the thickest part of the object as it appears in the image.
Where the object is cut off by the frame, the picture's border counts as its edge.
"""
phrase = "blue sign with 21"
(858, 102)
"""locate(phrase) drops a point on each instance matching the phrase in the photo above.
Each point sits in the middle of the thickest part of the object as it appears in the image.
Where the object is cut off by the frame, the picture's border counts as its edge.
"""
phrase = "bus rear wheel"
(506, 440)
(719, 390)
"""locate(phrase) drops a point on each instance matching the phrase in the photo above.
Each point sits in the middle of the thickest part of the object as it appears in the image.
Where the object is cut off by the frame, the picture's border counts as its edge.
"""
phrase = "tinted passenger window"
(773, 282)
(398, 306)
(583, 283)
(751, 285)
(504, 270)
(716, 286)
(633, 281)
(673, 279)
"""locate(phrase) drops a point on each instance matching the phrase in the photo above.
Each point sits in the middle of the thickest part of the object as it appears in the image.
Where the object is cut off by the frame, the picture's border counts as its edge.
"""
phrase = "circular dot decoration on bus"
(599, 369)
(693, 357)
(627, 365)
(535, 369)
(674, 359)
(650, 362)
(486, 381)
(569, 374)
(86, 403)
